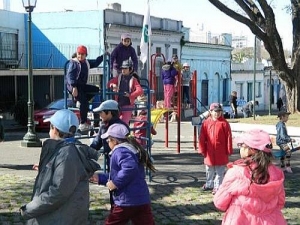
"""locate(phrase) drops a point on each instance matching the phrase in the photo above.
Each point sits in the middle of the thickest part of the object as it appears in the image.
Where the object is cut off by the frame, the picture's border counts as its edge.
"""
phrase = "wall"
(212, 63)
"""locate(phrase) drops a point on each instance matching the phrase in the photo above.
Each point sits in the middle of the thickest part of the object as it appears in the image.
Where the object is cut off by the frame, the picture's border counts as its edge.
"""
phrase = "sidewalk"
(175, 188)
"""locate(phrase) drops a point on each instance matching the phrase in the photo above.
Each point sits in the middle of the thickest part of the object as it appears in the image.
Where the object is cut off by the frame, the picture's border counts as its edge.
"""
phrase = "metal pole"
(254, 77)
(30, 139)
(270, 93)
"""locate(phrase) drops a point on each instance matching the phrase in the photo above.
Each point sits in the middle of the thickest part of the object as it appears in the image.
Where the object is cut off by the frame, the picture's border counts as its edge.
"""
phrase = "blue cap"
(107, 105)
(63, 120)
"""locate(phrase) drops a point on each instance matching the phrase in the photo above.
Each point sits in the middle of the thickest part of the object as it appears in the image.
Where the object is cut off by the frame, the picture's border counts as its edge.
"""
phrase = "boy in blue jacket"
(282, 140)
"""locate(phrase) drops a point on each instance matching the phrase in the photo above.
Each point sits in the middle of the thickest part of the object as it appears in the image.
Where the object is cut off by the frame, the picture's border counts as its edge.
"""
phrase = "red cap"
(82, 49)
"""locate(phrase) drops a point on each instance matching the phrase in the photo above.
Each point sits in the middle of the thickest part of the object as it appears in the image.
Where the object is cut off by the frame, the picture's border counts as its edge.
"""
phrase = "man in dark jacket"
(77, 77)
(109, 114)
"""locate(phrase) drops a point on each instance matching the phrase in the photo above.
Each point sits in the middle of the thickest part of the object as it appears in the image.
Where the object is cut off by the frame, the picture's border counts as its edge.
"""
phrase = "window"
(158, 50)
(8, 47)
(174, 51)
(138, 50)
(258, 89)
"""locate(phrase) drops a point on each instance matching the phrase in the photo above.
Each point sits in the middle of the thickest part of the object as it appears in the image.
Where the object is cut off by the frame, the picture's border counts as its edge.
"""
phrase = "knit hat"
(116, 130)
(257, 139)
(63, 120)
(82, 49)
(125, 36)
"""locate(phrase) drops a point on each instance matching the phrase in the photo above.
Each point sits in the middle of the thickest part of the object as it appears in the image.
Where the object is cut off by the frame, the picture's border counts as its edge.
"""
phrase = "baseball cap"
(186, 65)
(82, 49)
(63, 120)
(257, 139)
(107, 105)
(215, 107)
(283, 113)
(116, 130)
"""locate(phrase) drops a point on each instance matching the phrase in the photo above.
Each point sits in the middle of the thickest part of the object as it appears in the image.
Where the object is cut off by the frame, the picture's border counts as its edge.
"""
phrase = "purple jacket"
(122, 53)
(128, 174)
(168, 74)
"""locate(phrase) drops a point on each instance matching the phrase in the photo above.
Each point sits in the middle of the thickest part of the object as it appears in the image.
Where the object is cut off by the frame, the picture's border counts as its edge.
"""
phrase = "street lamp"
(270, 92)
(30, 139)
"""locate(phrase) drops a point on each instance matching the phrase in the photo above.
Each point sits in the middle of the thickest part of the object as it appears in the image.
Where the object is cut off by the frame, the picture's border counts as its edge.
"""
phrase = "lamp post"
(270, 92)
(30, 139)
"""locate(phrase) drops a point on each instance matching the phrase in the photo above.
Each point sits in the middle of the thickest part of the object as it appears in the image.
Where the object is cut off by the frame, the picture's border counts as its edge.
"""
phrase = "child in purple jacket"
(168, 74)
(126, 181)
(123, 52)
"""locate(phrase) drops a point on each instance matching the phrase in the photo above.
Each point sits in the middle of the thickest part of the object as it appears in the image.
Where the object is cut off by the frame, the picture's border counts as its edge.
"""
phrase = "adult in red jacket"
(215, 145)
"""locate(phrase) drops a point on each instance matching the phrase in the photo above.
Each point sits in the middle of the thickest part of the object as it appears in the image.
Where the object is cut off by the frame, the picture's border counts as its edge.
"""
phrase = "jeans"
(214, 176)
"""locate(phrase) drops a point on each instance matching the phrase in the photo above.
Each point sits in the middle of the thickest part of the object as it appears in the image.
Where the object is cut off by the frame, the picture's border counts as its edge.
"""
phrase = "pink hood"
(247, 203)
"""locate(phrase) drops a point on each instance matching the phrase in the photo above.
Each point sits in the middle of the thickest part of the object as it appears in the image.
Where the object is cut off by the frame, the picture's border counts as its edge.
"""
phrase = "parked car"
(49, 110)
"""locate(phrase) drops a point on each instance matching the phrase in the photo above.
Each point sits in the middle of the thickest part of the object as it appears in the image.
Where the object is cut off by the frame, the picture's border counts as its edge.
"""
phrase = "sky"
(191, 12)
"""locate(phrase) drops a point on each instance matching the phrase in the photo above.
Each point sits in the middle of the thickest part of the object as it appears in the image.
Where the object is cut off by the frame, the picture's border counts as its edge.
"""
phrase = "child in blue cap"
(61, 190)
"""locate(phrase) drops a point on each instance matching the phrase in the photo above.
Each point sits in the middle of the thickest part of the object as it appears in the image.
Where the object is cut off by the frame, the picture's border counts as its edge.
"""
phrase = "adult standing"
(77, 77)
(233, 103)
(279, 104)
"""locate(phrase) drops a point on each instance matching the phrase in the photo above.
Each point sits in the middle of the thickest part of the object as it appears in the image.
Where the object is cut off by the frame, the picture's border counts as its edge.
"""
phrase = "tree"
(260, 18)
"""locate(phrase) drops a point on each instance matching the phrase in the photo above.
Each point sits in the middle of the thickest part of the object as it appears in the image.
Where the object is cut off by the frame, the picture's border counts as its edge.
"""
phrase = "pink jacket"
(247, 203)
(215, 142)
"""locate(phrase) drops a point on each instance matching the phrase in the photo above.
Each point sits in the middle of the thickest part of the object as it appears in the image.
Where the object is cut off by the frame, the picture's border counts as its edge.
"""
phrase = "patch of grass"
(262, 117)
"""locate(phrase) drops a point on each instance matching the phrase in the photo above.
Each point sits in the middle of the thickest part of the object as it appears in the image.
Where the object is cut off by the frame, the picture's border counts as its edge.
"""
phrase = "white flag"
(146, 32)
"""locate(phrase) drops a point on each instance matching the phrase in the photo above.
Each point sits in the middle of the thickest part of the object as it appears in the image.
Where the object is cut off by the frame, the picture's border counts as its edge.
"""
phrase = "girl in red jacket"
(215, 145)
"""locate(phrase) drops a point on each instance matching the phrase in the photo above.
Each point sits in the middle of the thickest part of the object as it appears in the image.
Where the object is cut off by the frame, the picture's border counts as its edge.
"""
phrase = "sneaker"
(204, 188)
(84, 127)
(288, 170)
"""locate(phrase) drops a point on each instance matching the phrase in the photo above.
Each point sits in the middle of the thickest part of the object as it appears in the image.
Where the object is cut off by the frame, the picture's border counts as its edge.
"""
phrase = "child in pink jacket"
(252, 191)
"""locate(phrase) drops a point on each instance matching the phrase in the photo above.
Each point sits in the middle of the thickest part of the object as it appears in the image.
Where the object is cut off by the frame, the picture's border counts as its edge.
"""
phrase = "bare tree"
(260, 18)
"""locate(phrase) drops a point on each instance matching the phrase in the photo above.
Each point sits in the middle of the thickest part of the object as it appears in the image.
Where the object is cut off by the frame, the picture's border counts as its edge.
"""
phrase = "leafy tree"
(260, 18)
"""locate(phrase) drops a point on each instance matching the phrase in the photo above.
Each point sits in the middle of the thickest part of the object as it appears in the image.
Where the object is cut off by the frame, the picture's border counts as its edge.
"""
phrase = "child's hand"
(35, 167)
(94, 179)
(111, 186)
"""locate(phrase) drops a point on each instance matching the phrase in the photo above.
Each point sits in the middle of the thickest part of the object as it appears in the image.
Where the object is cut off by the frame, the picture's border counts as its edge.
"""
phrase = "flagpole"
(149, 57)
